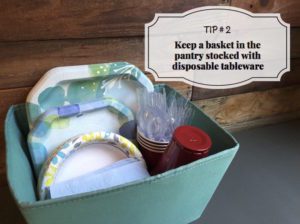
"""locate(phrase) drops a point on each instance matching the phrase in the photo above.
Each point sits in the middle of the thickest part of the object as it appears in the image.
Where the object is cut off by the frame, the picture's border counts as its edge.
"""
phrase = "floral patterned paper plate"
(77, 84)
(63, 152)
(58, 124)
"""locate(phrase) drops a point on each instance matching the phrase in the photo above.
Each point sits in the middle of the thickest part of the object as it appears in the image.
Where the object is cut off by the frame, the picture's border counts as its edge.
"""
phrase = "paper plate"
(72, 146)
(61, 123)
(77, 84)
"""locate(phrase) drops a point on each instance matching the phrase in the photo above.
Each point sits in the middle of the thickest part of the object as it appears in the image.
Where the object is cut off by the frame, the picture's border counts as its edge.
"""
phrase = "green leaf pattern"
(103, 76)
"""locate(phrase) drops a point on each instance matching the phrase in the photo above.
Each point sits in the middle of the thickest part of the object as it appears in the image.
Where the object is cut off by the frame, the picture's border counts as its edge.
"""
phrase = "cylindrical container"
(152, 150)
(151, 157)
(188, 144)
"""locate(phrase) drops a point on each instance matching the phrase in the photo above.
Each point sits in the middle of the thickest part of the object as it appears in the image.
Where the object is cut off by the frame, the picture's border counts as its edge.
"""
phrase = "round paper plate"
(62, 153)
(84, 83)
(58, 124)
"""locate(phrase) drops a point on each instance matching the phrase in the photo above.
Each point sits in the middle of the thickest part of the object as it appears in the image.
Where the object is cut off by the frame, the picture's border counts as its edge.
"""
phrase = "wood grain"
(274, 119)
(23, 63)
(70, 19)
(291, 78)
(289, 10)
(55, 19)
(230, 110)
(288, 79)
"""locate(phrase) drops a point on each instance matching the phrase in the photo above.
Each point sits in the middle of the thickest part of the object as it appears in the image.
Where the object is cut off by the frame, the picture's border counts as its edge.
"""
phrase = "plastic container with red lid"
(188, 144)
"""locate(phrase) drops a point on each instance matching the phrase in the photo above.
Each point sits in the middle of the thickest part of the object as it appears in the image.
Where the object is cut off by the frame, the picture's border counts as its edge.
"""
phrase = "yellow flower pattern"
(55, 161)
(50, 175)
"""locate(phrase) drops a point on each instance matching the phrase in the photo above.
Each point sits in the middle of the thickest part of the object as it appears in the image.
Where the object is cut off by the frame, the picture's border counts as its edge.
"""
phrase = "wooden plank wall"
(290, 12)
(38, 35)
(56, 33)
(260, 102)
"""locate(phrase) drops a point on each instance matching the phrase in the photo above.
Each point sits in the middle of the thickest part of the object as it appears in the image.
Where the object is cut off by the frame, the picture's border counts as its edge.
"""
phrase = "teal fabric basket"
(177, 196)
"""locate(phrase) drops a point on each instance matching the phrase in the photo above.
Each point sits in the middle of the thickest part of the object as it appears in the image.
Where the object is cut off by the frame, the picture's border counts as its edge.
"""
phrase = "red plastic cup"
(152, 150)
(188, 144)
(151, 157)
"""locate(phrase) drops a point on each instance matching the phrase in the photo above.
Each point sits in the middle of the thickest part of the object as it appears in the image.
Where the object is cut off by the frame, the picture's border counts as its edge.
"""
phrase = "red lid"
(192, 138)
